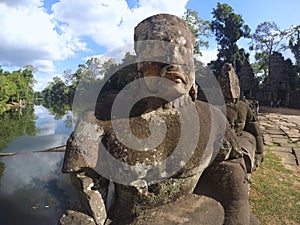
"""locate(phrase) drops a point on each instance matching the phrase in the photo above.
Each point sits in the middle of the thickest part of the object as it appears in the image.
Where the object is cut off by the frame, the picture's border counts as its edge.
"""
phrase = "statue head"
(164, 46)
(229, 83)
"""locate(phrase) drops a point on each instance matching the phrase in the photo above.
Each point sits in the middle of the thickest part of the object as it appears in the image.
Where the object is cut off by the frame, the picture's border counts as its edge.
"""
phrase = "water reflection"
(48, 132)
(15, 123)
(32, 188)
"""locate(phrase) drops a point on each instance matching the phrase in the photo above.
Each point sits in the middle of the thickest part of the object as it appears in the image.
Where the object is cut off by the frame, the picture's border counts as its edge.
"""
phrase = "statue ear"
(193, 92)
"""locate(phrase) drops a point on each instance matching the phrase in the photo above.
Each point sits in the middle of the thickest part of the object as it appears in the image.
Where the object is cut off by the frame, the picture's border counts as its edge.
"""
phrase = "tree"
(260, 67)
(265, 41)
(293, 36)
(199, 27)
(266, 38)
(117, 76)
(15, 86)
(228, 28)
(56, 91)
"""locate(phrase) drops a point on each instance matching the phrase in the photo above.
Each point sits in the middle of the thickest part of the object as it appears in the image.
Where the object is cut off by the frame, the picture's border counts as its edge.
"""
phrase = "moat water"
(33, 191)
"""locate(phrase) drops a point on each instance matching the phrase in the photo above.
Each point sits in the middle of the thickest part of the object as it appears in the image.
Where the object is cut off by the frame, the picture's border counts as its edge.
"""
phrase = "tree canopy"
(16, 86)
(228, 28)
(293, 36)
(200, 28)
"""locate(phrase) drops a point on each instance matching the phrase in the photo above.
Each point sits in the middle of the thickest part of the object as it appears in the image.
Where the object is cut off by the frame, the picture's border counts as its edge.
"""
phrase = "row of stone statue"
(165, 157)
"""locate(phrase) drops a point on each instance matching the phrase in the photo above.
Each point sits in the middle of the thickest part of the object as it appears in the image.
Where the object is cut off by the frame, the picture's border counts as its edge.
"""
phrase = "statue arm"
(252, 126)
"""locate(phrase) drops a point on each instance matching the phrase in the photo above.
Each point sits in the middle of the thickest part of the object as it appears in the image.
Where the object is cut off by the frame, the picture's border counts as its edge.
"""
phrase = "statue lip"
(175, 74)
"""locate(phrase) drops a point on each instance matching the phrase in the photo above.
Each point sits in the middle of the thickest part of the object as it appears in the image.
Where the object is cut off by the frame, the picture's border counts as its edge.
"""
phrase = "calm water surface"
(33, 191)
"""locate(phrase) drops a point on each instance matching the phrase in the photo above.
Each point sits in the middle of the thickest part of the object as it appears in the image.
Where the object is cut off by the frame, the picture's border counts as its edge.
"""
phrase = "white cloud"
(31, 36)
(111, 23)
(35, 3)
(208, 55)
(44, 80)
(28, 36)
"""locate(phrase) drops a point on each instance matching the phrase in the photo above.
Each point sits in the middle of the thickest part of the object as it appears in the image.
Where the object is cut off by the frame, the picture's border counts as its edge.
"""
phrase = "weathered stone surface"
(275, 132)
(226, 182)
(148, 179)
(229, 83)
(248, 144)
(296, 151)
(281, 141)
(242, 116)
(247, 80)
(267, 139)
(164, 38)
(278, 136)
(82, 146)
(75, 218)
(190, 210)
(287, 158)
(293, 133)
(281, 149)
(91, 199)
(277, 86)
(287, 143)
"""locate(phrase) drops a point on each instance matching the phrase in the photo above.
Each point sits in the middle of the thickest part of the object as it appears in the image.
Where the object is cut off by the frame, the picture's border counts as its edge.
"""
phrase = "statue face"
(164, 46)
(178, 75)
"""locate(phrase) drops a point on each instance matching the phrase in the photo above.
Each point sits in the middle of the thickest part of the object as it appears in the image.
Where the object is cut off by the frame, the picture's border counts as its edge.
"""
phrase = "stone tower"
(248, 82)
(277, 83)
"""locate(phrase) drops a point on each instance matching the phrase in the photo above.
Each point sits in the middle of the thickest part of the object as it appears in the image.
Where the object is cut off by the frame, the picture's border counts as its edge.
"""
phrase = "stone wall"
(277, 84)
(295, 99)
(248, 83)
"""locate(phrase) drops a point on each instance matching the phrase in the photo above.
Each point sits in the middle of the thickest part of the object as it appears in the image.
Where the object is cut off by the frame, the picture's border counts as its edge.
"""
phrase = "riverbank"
(11, 105)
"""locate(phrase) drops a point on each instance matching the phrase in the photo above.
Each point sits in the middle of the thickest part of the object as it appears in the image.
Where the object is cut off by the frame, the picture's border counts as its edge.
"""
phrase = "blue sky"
(54, 35)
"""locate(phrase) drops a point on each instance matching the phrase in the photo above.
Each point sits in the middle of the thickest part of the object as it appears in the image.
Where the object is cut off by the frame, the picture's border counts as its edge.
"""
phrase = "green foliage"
(87, 79)
(199, 27)
(293, 36)
(56, 91)
(266, 38)
(228, 28)
(260, 66)
(16, 86)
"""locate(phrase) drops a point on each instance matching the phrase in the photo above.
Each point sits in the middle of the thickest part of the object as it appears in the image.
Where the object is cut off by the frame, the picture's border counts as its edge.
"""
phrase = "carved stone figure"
(143, 165)
(243, 118)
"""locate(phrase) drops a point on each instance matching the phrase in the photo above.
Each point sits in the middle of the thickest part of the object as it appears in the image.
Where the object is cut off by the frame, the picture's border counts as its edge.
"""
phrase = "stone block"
(277, 136)
(75, 218)
(275, 132)
(281, 149)
(287, 158)
(190, 210)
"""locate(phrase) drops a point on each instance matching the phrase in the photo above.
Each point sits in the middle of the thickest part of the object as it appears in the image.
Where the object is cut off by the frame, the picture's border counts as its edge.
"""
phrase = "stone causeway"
(281, 133)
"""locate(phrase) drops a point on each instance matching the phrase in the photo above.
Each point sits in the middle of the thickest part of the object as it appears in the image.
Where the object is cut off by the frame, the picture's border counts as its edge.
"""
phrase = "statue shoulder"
(82, 145)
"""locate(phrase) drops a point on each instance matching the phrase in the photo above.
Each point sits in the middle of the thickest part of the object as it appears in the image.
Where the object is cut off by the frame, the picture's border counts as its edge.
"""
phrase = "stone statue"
(143, 165)
(243, 118)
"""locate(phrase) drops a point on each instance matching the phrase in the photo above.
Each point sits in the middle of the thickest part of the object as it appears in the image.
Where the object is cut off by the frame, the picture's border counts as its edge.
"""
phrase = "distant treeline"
(16, 87)
(94, 75)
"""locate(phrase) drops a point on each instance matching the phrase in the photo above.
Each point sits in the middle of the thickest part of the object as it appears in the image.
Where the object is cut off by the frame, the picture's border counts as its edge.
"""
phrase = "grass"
(275, 193)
